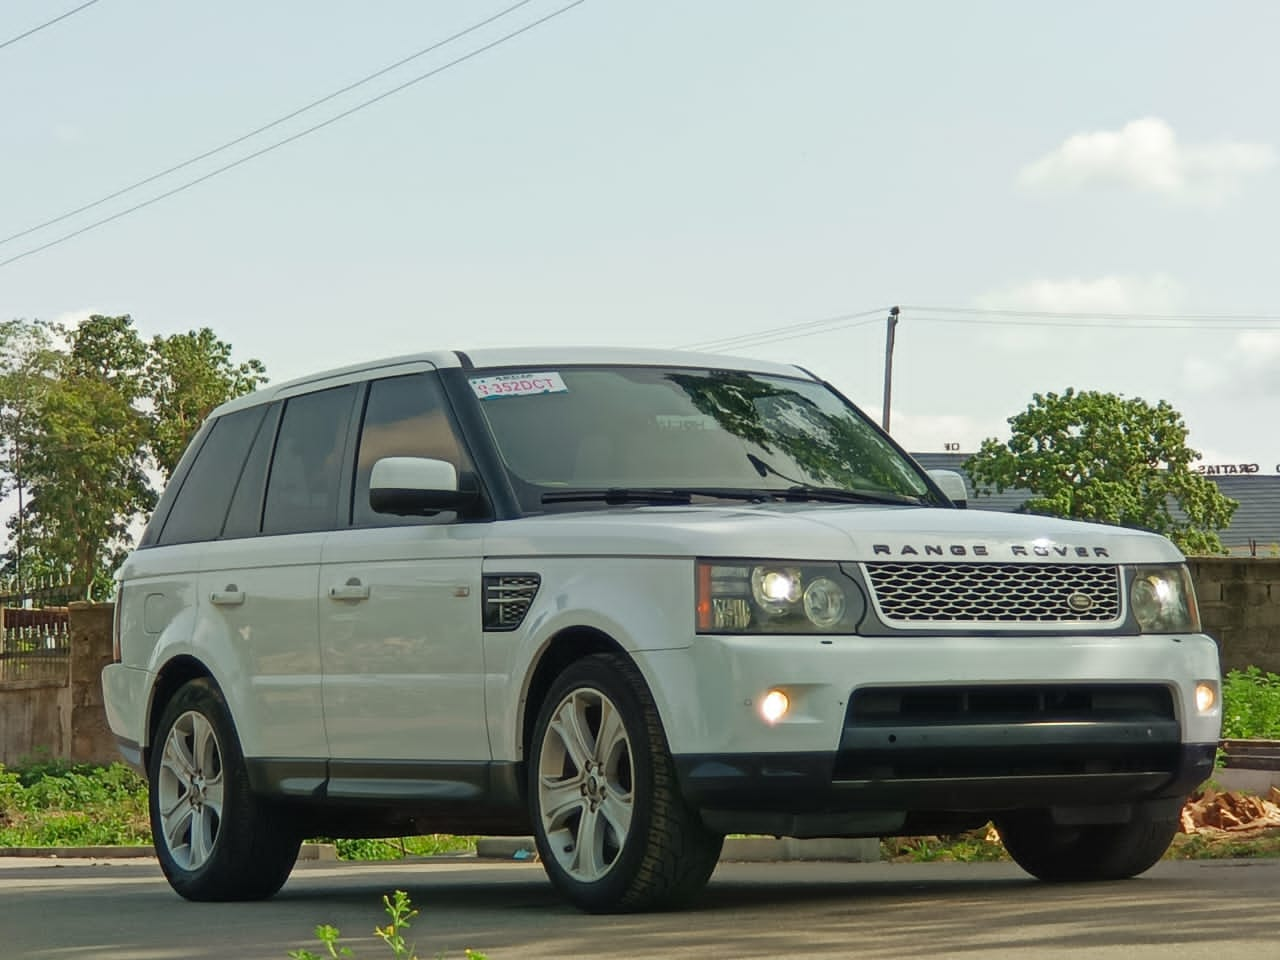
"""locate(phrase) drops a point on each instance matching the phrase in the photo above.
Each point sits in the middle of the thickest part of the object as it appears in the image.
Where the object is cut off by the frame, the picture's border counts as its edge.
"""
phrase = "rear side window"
(306, 469)
(245, 516)
(404, 417)
(202, 503)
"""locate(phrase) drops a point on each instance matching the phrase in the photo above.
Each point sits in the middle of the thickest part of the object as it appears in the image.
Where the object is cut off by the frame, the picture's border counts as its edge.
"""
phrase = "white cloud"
(1146, 155)
(1246, 367)
(1115, 293)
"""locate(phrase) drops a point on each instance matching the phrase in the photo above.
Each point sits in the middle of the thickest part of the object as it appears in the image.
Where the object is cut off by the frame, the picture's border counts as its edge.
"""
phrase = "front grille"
(914, 594)
(507, 598)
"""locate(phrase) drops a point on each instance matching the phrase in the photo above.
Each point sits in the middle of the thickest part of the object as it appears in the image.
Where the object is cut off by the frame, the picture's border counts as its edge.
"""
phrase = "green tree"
(86, 414)
(1100, 456)
(187, 375)
(82, 444)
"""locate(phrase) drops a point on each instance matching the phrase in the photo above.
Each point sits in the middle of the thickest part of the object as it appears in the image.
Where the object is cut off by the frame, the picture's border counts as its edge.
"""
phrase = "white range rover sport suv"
(631, 601)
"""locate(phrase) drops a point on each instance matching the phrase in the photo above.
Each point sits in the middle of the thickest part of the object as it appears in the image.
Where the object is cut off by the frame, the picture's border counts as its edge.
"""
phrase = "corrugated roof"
(1256, 520)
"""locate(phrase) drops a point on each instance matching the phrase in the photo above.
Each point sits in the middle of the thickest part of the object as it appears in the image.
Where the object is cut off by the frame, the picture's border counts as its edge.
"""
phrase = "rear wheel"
(214, 838)
(613, 831)
(1112, 851)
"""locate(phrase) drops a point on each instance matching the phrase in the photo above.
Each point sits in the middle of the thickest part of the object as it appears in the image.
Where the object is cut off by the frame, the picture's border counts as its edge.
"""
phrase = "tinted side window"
(202, 502)
(404, 417)
(302, 490)
(245, 515)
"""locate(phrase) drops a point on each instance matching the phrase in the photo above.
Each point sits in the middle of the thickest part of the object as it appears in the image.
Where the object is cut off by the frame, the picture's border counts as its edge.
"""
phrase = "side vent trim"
(507, 598)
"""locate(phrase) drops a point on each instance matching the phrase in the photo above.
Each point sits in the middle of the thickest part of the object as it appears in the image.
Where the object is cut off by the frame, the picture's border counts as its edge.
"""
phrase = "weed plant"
(400, 913)
(1251, 705)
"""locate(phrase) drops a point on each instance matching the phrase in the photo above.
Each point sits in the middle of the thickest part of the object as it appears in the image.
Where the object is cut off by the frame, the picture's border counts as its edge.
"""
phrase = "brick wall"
(1240, 608)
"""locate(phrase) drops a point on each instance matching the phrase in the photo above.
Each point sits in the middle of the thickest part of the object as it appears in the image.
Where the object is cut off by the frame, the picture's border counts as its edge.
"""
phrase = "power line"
(1086, 315)
(799, 336)
(986, 317)
(47, 23)
(297, 136)
(1219, 322)
(787, 332)
(266, 126)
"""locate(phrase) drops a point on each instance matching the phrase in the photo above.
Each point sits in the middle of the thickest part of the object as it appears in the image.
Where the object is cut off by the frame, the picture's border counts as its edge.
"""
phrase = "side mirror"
(951, 483)
(416, 487)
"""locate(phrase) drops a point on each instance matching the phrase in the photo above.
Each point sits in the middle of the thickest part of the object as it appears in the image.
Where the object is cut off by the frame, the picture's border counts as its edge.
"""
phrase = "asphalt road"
(1223, 910)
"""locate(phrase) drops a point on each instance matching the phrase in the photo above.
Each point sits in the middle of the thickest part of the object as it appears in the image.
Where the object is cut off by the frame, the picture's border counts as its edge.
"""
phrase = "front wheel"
(612, 829)
(1112, 851)
(214, 838)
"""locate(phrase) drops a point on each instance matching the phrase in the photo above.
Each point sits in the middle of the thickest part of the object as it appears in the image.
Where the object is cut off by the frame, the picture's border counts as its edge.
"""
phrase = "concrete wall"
(35, 720)
(91, 738)
(1240, 608)
(65, 719)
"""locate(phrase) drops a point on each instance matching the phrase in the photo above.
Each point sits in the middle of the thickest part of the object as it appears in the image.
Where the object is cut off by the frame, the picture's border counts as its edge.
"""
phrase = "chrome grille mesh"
(951, 593)
(507, 598)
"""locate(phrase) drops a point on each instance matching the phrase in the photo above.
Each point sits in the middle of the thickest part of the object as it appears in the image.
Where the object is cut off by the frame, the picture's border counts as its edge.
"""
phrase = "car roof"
(528, 357)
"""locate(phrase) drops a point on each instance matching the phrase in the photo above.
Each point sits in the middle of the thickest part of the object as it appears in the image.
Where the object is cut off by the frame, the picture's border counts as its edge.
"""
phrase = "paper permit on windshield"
(517, 385)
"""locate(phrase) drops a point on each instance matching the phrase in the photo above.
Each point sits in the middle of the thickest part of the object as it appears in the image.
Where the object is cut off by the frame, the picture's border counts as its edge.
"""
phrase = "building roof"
(1254, 529)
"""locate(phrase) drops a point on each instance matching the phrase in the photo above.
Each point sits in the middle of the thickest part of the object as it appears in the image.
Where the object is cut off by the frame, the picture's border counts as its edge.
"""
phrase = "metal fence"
(38, 592)
(34, 634)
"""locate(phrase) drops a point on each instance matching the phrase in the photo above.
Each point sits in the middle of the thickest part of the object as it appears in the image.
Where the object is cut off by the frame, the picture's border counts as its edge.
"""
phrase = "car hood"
(825, 532)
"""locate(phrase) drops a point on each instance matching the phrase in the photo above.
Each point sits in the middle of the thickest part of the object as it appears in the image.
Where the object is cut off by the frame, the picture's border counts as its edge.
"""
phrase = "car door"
(260, 580)
(400, 602)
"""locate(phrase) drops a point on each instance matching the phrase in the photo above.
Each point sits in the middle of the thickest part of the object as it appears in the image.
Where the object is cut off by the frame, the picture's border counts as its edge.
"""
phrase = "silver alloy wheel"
(189, 790)
(585, 784)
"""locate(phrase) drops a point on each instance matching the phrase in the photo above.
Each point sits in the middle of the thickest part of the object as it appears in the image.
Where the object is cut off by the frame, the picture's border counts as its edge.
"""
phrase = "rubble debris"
(1239, 814)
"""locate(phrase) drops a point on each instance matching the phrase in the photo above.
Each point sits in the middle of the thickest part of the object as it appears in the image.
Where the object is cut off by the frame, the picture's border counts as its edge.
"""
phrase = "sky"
(662, 173)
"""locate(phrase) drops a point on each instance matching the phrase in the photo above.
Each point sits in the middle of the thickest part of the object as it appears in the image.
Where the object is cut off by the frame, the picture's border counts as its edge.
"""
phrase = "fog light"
(1206, 696)
(774, 706)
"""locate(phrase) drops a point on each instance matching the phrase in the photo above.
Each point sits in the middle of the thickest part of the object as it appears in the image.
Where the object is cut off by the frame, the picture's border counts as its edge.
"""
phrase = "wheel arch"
(565, 647)
(177, 672)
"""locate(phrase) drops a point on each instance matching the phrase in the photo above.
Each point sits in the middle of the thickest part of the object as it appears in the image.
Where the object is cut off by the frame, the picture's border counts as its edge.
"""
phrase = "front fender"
(649, 604)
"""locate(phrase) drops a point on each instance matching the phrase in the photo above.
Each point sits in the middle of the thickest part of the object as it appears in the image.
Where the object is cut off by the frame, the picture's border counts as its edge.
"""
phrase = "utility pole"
(888, 367)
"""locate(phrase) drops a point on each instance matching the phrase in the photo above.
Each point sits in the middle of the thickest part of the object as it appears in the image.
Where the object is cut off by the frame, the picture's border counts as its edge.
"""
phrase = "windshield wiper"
(617, 495)
(659, 495)
(806, 491)
(839, 495)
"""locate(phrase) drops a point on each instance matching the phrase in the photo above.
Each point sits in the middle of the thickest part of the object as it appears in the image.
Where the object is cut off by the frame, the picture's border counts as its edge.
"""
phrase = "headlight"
(1163, 600)
(760, 596)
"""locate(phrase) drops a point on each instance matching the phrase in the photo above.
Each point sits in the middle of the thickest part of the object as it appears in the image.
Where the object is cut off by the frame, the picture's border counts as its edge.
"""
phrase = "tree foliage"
(186, 376)
(1103, 457)
(87, 415)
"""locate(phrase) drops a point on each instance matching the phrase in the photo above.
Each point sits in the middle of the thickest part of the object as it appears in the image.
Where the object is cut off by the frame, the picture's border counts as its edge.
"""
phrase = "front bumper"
(883, 731)
(709, 693)
(808, 784)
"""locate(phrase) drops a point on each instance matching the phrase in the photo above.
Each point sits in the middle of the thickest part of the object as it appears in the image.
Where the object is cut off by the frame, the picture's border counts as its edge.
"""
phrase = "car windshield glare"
(619, 428)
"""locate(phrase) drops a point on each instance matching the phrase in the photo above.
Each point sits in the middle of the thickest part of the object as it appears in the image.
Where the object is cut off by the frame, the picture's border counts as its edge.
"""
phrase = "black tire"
(1056, 853)
(243, 849)
(666, 855)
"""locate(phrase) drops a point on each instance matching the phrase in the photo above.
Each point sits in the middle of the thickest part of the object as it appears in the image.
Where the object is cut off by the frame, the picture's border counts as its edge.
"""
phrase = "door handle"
(230, 597)
(353, 589)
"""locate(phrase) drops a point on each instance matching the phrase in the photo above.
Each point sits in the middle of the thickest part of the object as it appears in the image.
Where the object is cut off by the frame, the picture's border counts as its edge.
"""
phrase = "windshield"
(645, 428)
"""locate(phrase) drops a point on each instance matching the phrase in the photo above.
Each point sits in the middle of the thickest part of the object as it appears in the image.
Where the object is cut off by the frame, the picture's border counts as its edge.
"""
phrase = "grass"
(52, 803)
(397, 848)
(55, 804)
(978, 846)
(1251, 705)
